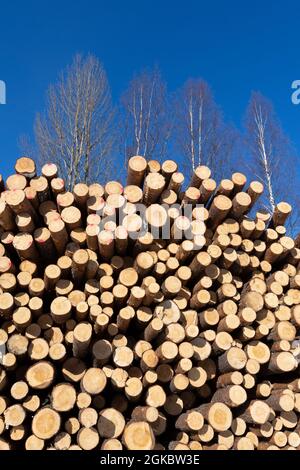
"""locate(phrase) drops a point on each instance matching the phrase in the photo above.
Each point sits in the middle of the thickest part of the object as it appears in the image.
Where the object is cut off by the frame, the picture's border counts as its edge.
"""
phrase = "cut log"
(40, 375)
(136, 170)
(138, 436)
(25, 166)
(126, 323)
(93, 381)
(87, 438)
(63, 397)
(218, 415)
(111, 423)
(46, 423)
(257, 412)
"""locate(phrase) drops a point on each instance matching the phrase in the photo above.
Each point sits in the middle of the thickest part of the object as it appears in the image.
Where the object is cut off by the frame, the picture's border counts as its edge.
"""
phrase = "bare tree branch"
(270, 155)
(144, 117)
(200, 133)
(76, 131)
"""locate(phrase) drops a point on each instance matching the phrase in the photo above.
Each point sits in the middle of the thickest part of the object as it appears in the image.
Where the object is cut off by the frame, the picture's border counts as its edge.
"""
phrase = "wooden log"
(200, 174)
(168, 168)
(62, 441)
(14, 415)
(219, 209)
(46, 423)
(232, 395)
(36, 287)
(40, 375)
(17, 344)
(41, 186)
(111, 444)
(257, 412)
(34, 443)
(210, 316)
(71, 216)
(230, 378)
(24, 245)
(81, 339)
(176, 181)
(218, 415)
(49, 171)
(6, 304)
(63, 397)
(238, 426)
(281, 213)
(72, 425)
(133, 388)
(8, 282)
(255, 190)
(136, 170)
(133, 194)
(138, 435)
(258, 351)
(65, 199)
(191, 196)
(25, 166)
(280, 401)
(93, 381)
(57, 352)
(57, 186)
(25, 222)
(239, 180)
(155, 396)
(83, 400)
(79, 264)
(240, 204)
(60, 309)
(95, 205)
(191, 421)
(153, 187)
(7, 221)
(243, 443)
(233, 359)
(7, 239)
(207, 188)
(17, 433)
(88, 438)
(156, 217)
(38, 349)
(111, 423)
(123, 356)
(282, 362)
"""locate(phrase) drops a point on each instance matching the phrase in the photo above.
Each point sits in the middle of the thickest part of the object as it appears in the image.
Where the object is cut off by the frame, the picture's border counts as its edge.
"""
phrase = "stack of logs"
(114, 335)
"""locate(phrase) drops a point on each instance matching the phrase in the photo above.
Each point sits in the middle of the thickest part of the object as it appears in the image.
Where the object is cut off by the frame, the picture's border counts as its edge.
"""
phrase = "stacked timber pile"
(115, 333)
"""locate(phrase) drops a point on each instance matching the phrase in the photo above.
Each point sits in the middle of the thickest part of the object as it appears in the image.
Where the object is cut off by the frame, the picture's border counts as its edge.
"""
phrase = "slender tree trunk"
(192, 144)
(265, 158)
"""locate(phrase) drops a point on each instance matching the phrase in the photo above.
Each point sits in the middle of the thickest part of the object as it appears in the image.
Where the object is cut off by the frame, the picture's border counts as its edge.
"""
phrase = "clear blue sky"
(237, 46)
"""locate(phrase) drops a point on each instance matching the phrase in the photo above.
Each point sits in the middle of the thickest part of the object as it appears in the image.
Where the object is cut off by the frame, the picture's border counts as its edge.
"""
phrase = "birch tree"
(76, 130)
(144, 117)
(271, 157)
(200, 133)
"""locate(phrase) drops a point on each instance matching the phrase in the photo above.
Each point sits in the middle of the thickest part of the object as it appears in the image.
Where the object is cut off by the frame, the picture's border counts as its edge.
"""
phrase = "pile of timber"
(114, 335)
